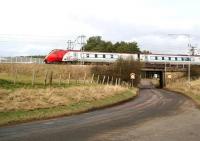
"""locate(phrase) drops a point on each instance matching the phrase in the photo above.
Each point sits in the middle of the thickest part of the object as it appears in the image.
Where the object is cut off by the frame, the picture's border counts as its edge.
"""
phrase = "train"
(73, 56)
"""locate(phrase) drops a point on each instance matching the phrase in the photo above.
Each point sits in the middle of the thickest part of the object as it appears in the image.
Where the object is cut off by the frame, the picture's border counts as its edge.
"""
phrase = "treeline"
(96, 43)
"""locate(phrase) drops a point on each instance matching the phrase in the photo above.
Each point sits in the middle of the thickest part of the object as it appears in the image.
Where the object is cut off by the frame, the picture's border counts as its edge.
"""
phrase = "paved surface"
(155, 115)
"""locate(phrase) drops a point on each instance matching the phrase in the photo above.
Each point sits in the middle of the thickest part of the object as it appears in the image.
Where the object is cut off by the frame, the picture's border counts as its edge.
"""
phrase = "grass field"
(29, 104)
(182, 86)
(25, 71)
(14, 76)
(22, 101)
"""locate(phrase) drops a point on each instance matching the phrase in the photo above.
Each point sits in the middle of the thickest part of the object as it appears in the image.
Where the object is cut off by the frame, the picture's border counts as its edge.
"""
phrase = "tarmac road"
(151, 104)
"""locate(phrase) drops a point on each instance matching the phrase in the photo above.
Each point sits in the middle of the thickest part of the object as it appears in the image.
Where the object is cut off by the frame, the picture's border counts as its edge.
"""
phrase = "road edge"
(185, 95)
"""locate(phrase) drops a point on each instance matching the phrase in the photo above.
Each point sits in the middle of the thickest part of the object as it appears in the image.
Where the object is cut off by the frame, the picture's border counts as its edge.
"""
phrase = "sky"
(33, 27)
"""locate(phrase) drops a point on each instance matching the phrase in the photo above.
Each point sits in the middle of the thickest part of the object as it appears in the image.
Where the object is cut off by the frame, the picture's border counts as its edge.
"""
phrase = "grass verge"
(18, 116)
(182, 87)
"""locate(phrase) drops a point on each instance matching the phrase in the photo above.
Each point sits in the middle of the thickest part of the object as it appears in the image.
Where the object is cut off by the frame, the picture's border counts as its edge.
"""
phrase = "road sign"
(169, 76)
(132, 75)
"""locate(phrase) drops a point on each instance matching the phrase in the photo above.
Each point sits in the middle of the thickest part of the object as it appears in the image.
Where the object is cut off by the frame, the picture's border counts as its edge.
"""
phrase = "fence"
(21, 59)
(45, 75)
(49, 79)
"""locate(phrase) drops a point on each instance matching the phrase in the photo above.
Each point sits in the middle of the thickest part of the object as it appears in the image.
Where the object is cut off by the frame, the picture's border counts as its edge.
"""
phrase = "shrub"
(195, 71)
(120, 69)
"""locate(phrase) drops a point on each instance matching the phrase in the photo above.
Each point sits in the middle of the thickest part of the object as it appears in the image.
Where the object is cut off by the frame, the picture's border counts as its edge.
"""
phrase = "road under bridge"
(163, 75)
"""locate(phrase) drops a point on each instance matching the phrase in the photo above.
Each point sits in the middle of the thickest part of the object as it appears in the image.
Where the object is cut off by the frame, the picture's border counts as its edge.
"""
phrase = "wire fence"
(21, 60)
(51, 79)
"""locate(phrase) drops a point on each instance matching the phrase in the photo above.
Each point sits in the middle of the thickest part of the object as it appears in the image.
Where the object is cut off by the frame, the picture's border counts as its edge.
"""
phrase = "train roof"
(100, 52)
(128, 53)
(173, 54)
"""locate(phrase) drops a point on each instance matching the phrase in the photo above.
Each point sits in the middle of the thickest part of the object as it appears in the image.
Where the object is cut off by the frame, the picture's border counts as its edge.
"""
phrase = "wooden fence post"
(108, 80)
(98, 79)
(116, 81)
(69, 76)
(92, 78)
(51, 78)
(103, 79)
(33, 77)
(45, 79)
(119, 81)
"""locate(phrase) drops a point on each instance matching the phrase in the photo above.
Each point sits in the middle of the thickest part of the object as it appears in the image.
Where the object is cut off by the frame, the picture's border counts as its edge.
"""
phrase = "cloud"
(35, 26)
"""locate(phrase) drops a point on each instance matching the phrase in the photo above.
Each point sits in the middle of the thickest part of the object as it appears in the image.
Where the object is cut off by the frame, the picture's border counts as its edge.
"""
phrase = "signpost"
(155, 75)
(132, 77)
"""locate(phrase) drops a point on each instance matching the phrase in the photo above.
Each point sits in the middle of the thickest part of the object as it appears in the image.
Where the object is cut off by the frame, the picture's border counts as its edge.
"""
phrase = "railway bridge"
(163, 73)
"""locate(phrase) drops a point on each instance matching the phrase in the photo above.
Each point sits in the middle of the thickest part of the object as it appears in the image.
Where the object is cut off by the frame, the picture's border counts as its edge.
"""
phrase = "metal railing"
(21, 60)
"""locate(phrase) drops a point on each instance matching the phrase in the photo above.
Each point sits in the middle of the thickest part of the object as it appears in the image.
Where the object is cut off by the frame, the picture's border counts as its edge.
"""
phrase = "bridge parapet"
(165, 67)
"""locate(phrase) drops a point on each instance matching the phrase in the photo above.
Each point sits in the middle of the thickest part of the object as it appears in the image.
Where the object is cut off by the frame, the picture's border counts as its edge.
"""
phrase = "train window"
(75, 54)
(95, 55)
(104, 56)
(169, 58)
(87, 55)
(188, 59)
(182, 59)
(111, 56)
(175, 58)
(156, 58)
(163, 58)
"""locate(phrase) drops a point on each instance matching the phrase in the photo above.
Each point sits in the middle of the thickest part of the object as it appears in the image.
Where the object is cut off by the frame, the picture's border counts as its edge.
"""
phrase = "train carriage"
(65, 56)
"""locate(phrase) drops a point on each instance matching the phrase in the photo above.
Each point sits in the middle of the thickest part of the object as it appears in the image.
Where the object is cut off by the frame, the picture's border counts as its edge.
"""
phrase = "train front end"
(55, 56)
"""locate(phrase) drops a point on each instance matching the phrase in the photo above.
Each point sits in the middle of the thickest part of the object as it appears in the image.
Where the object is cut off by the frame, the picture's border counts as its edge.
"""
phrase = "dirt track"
(155, 115)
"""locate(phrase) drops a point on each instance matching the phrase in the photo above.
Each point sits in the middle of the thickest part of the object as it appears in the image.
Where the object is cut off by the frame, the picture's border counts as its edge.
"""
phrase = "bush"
(195, 71)
(120, 69)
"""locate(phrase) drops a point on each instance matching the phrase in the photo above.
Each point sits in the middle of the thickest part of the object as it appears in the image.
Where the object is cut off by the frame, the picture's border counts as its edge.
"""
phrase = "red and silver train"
(70, 56)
